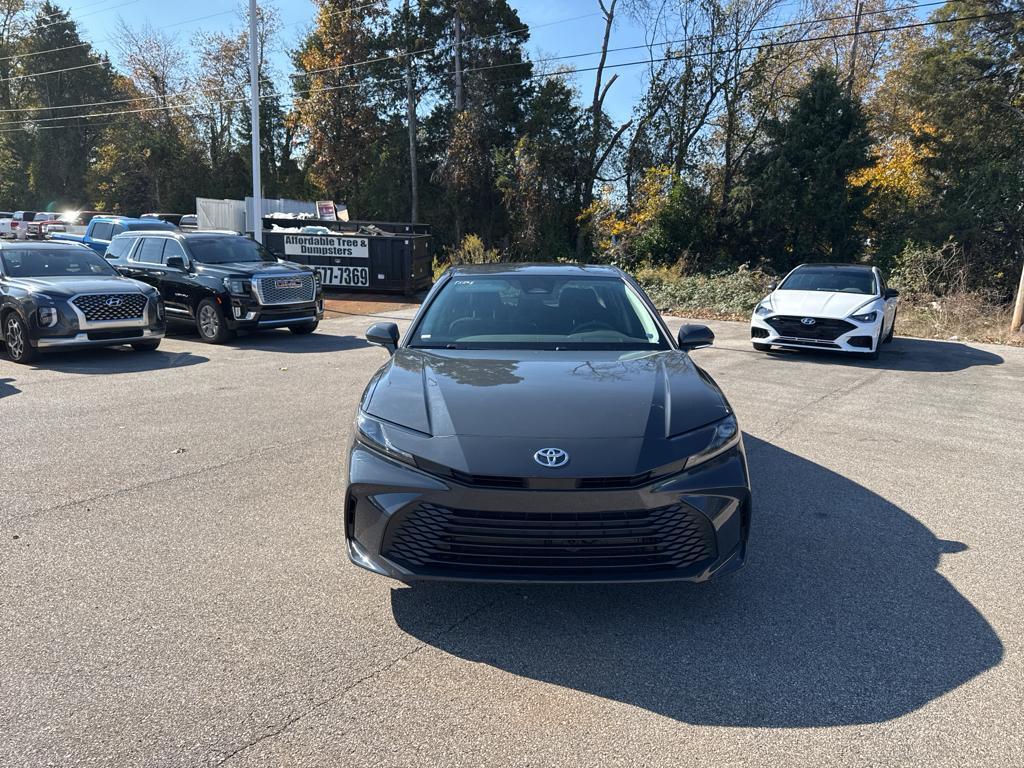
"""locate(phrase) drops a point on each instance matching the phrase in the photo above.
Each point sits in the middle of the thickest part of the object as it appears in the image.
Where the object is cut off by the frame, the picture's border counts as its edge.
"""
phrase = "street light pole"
(254, 110)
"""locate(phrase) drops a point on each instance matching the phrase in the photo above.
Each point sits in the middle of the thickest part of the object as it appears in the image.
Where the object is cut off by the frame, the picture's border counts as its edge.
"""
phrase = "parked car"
(73, 222)
(838, 307)
(189, 221)
(15, 228)
(221, 283)
(170, 218)
(5, 223)
(34, 228)
(58, 295)
(540, 423)
(102, 229)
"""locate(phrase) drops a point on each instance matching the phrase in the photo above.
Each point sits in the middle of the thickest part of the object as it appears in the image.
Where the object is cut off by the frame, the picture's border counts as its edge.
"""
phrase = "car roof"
(566, 270)
(45, 245)
(836, 266)
(169, 232)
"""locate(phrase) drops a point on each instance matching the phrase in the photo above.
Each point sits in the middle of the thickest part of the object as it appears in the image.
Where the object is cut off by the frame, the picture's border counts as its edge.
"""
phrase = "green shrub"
(470, 251)
(723, 294)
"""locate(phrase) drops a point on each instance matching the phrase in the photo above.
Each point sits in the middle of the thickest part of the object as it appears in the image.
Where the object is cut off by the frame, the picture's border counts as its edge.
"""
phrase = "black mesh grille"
(823, 328)
(562, 544)
(98, 307)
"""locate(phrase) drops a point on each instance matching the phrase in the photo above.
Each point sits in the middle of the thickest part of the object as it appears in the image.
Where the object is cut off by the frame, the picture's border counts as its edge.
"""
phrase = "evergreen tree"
(802, 206)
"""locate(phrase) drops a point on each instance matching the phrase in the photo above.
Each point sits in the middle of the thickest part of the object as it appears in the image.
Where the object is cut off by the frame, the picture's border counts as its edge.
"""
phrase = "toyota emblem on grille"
(808, 321)
(551, 457)
(113, 301)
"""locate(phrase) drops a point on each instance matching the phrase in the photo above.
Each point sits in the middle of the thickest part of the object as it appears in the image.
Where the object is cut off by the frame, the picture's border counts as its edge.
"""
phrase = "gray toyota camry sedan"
(539, 423)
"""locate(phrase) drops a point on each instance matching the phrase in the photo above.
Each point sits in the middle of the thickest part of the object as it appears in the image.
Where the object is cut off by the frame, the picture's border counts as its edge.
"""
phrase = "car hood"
(818, 303)
(65, 287)
(487, 413)
(540, 394)
(247, 268)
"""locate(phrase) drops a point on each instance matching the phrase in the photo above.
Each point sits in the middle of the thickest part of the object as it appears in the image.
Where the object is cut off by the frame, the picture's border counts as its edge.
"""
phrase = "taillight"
(14, 225)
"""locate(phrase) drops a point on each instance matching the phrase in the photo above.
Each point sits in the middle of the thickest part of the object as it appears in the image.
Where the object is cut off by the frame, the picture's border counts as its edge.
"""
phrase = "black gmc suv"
(55, 295)
(220, 282)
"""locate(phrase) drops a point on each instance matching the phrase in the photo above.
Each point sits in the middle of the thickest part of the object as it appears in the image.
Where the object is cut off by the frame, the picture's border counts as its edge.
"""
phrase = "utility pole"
(254, 111)
(410, 115)
(410, 111)
(853, 50)
(1018, 307)
(460, 96)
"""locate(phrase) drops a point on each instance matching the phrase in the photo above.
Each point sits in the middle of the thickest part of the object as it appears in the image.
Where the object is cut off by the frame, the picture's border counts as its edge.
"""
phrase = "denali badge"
(113, 301)
(551, 457)
(808, 321)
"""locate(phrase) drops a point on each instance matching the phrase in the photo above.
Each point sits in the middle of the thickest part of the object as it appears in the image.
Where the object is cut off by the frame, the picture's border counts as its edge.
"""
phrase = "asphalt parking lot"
(174, 591)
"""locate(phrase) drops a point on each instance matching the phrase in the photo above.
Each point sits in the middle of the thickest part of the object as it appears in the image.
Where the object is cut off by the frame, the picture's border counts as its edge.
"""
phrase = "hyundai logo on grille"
(551, 457)
(808, 321)
(113, 301)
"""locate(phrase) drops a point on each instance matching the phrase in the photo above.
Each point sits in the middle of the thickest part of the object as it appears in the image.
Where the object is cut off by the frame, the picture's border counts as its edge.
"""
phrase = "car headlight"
(47, 317)
(726, 435)
(763, 309)
(237, 287)
(373, 433)
(867, 317)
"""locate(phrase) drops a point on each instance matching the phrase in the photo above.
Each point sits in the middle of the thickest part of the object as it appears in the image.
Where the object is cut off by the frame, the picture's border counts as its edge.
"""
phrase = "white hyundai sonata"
(841, 307)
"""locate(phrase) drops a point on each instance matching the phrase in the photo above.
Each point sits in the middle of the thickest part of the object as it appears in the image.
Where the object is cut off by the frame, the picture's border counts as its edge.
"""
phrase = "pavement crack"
(784, 425)
(156, 481)
(289, 722)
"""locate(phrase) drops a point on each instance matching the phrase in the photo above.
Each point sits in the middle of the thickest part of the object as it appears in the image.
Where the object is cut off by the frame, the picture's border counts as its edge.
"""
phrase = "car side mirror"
(772, 286)
(176, 262)
(692, 336)
(383, 335)
(890, 293)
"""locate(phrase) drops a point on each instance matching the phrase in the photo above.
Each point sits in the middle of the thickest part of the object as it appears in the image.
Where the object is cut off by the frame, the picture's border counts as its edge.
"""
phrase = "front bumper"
(247, 314)
(72, 329)
(409, 525)
(858, 337)
(111, 338)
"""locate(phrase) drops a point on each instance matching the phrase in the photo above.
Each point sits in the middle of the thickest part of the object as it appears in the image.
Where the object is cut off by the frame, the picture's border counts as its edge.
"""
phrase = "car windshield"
(228, 250)
(54, 262)
(537, 312)
(832, 280)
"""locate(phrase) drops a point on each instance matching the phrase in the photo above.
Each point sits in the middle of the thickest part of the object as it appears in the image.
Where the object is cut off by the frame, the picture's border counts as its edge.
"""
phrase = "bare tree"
(599, 147)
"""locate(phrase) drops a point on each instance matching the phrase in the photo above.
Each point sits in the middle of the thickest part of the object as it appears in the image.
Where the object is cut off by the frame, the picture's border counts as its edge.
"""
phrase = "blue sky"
(557, 29)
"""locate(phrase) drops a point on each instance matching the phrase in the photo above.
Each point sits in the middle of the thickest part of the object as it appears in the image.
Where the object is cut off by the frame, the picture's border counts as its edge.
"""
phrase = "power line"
(190, 91)
(577, 70)
(365, 62)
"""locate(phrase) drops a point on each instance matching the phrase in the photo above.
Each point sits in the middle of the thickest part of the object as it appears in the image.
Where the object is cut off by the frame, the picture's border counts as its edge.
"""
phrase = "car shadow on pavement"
(110, 360)
(838, 618)
(903, 354)
(7, 388)
(282, 341)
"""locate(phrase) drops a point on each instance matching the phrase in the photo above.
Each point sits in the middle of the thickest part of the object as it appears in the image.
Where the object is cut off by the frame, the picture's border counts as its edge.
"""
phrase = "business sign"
(325, 210)
(341, 246)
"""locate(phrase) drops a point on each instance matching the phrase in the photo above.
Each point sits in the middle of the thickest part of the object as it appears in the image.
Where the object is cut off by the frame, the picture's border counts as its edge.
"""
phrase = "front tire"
(210, 321)
(16, 336)
(761, 347)
(146, 346)
(892, 330)
(302, 330)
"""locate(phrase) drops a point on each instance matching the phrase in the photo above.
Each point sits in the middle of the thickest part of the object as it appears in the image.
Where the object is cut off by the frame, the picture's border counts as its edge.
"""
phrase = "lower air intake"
(439, 540)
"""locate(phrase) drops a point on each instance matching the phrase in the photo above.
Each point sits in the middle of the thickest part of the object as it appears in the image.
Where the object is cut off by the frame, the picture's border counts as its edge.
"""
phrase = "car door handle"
(158, 272)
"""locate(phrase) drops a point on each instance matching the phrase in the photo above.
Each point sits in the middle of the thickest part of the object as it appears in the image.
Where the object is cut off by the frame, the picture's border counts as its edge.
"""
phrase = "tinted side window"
(150, 251)
(172, 248)
(102, 231)
(119, 247)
